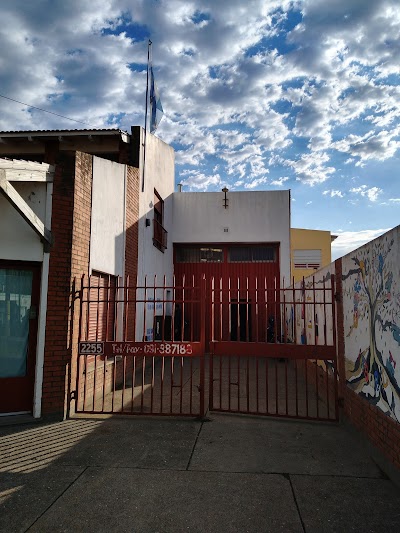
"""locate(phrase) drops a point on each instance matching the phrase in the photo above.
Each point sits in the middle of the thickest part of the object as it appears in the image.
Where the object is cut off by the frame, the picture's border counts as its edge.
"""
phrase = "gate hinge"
(72, 395)
(338, 296)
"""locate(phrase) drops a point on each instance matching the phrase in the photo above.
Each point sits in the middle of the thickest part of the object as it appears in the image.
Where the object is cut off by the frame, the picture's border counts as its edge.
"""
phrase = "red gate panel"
(272, 349)
(277, 356)
(141, 358)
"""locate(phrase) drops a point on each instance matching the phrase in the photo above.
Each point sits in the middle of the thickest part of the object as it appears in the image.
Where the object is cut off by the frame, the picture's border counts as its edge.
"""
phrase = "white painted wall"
(18, 241)
(159, 175)
(252, 217)
(107, 239)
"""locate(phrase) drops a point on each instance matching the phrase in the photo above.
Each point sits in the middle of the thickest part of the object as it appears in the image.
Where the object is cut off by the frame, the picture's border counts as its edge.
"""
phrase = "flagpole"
(145, 118)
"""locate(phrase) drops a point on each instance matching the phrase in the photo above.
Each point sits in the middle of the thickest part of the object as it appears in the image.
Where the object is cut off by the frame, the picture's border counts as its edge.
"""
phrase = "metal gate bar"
(274, 349)
(284, 387)
(137, 353)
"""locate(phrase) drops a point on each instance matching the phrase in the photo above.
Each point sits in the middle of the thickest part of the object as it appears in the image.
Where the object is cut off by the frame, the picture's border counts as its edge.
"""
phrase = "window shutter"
(307, 258)
(101, 307)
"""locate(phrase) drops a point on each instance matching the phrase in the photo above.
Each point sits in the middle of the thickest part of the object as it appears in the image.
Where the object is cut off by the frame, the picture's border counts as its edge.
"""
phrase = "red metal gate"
(139, 352)
(274, 349)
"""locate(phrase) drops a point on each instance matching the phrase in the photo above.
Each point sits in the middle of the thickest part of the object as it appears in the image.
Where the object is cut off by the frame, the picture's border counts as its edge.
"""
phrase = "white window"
(307, 259)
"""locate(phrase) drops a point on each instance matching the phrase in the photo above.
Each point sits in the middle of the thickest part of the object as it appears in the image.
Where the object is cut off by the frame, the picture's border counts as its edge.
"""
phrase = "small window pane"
(263, 254)
(187, 255)
(240, 254)
(251, 254)
(211, 255)
(192, 254)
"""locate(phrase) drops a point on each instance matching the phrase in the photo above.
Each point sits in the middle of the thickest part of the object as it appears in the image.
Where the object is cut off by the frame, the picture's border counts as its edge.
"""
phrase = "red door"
(241, 283)
(19, 305)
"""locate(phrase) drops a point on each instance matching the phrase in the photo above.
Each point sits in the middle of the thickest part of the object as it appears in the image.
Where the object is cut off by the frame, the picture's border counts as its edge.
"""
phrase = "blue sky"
(257, 94)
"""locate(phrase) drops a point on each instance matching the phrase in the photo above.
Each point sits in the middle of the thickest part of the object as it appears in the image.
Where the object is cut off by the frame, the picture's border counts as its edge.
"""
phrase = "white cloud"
(310, 168)
(255, 183)
(280, 181)
(371, 193)
(379, 146)
(348, 241)
(332, 193)
(194, 179)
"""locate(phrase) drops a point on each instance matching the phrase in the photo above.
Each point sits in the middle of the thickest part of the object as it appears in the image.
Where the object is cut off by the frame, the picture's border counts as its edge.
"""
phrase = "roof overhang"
(59, 135)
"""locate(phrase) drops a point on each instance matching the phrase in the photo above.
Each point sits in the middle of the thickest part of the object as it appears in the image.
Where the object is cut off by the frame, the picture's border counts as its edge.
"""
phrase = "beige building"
(310, 251)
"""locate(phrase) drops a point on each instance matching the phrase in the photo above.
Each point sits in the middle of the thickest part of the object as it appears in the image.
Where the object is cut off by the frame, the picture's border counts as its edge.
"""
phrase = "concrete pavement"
(231, 473)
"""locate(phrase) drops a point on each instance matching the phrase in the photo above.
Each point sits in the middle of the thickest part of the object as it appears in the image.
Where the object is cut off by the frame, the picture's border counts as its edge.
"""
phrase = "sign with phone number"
(140, 348)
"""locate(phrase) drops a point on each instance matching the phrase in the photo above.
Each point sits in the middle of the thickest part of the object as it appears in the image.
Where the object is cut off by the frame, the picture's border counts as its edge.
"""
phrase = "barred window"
(198, 254)
(251, 254)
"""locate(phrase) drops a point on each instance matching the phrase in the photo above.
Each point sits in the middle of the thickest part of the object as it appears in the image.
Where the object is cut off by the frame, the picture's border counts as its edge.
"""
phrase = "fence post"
(202, 295)
(334, 326)
(78, 382)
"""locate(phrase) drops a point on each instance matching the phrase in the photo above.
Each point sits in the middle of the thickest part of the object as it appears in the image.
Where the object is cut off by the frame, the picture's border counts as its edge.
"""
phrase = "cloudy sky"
(257, 94)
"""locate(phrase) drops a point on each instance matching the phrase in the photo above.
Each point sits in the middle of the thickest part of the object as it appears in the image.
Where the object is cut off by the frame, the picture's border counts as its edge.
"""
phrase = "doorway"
(19, 304)
(240, 320)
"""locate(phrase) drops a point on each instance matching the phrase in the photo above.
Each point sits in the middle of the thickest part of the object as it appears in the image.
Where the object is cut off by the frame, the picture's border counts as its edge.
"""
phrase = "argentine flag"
(156, 110)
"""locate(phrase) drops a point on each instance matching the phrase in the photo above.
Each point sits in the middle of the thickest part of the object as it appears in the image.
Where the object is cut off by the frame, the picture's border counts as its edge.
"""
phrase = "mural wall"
(371, 305)
(309, 319)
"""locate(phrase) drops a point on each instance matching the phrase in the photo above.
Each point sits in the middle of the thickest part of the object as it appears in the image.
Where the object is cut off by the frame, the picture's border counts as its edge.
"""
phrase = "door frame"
(36, 268)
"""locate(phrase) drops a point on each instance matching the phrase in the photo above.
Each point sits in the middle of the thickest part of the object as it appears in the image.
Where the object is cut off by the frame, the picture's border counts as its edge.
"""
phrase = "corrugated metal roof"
(85, 130)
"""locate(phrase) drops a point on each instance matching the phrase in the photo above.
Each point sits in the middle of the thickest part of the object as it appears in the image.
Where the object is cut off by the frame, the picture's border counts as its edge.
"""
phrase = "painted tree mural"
(371, 281)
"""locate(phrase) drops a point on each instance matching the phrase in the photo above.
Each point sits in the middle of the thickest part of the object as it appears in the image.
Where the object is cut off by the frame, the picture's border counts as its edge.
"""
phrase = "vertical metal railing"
(276, 363)
(141, 347)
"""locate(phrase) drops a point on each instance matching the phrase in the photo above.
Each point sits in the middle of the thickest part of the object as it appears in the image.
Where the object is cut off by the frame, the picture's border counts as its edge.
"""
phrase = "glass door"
(19, 299)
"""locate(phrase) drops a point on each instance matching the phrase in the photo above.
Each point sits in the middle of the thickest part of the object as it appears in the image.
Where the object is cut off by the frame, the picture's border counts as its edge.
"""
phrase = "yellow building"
(310, 251)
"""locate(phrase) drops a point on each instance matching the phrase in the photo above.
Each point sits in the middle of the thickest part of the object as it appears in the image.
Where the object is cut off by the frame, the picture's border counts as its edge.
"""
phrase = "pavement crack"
(287, 476)
(56, 500)
(194, 445)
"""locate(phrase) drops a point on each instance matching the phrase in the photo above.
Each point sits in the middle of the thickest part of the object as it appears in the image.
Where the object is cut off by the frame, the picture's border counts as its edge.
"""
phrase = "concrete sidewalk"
(166, 475)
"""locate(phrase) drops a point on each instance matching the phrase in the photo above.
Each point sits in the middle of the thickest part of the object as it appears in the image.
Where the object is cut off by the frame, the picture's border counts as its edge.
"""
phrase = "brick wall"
(56, 356)
(80, 256)
(69, 257)
(131, 249)
(381, 430)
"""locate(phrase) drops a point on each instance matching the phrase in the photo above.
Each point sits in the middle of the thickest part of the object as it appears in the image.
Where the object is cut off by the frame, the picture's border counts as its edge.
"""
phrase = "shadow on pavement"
(233, 473)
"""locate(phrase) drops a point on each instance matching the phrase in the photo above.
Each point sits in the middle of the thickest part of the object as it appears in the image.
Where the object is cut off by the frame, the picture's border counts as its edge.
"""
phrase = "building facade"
(101, 203)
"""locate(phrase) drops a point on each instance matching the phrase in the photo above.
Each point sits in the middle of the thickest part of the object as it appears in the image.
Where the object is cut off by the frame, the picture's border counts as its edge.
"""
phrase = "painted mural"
(309, 320)
(371, 304)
